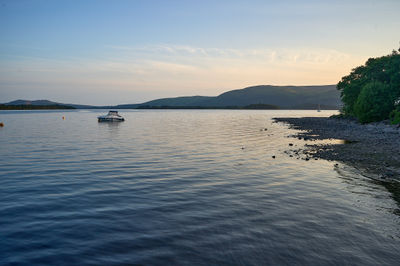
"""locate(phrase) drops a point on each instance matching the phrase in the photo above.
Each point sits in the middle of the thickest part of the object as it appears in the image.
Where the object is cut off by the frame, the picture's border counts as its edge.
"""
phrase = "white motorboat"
(112, 116)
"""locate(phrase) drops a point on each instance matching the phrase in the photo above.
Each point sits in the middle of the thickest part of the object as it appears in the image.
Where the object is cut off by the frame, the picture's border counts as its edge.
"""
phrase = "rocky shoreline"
(374, 148)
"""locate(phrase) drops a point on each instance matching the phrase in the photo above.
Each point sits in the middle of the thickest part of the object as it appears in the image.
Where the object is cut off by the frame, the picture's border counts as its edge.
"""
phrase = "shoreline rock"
(374, 148)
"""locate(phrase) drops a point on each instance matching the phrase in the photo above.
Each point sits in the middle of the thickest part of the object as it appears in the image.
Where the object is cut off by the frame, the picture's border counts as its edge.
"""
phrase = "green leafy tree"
(374, 103)
(350, 87)
(395, 114)
(383, 72)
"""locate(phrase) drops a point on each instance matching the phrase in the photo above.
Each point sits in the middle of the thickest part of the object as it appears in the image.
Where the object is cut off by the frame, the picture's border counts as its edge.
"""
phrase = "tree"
(374, 103)
(382, 72)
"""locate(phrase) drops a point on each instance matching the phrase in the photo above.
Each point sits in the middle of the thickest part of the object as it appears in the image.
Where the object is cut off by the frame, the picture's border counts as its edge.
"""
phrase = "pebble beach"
(373, 148)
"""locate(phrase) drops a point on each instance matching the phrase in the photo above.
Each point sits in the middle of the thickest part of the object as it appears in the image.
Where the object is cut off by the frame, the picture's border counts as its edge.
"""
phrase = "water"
(182, 187)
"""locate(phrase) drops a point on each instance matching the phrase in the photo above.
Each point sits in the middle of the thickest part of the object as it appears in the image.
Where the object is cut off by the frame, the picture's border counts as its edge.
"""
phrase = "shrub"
(395, 116)
(374, 103)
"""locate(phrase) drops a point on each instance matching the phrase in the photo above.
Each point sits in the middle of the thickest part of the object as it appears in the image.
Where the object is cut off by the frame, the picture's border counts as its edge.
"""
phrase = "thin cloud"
(193, 70)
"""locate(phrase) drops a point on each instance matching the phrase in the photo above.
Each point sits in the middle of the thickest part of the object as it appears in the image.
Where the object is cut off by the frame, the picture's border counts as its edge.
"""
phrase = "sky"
(114, 52)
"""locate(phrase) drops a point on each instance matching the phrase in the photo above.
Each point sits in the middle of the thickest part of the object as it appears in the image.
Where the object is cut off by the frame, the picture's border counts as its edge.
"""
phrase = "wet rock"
(374, 147)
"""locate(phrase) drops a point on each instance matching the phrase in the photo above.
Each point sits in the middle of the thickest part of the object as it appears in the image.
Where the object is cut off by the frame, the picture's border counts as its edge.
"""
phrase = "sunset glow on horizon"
(101, 52)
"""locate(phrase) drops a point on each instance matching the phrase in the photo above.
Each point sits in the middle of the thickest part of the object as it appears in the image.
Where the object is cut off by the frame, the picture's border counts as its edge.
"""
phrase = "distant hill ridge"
(285, 97)
(281, 96)
(28, 102)
(50, 103)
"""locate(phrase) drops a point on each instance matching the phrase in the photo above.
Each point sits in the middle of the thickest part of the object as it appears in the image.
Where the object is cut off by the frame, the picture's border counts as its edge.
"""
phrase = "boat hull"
(110, 119)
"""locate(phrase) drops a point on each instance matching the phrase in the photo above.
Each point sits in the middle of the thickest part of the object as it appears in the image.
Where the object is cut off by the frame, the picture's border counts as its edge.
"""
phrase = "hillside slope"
(286, 97)
(282, 96)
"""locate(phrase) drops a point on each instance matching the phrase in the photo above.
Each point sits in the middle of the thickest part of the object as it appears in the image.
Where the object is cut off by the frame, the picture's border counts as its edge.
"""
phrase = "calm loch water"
(182, 187)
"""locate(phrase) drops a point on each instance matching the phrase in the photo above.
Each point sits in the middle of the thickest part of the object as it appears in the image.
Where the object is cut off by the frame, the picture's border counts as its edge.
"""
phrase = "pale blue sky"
(110, 52)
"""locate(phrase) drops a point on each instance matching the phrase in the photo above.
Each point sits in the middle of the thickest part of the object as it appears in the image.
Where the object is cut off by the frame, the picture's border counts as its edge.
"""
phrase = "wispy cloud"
(303, 55)
(181, 69)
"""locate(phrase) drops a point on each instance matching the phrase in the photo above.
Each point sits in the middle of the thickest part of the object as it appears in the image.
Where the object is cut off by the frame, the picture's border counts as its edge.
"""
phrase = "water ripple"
(182, 187)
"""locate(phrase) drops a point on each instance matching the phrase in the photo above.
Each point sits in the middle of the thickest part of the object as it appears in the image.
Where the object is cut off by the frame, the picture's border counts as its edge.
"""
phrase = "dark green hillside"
(281, 96)
(46, 104)
(181, 101)
(35, 103)
(264, 96)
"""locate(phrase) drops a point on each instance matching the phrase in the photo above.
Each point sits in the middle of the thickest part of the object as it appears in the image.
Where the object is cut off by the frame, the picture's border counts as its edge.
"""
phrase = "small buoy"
(1, 124)
(273, 157)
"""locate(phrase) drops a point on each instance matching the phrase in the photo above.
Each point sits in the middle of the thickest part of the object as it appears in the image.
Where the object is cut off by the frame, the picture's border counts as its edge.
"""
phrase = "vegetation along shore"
(35, 107)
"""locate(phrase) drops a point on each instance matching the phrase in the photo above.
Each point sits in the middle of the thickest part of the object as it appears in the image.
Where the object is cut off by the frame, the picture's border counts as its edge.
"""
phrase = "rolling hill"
(284, 97)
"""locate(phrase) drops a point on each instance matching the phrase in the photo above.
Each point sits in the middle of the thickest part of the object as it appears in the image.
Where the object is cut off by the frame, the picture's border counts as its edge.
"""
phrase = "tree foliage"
(374, 103)
(369, 90)
(395, 116)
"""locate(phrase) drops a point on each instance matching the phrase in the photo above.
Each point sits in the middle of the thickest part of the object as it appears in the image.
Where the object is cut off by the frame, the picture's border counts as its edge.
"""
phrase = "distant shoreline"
(373, 148)
(35, 107)
(62, 107)
(263, 97)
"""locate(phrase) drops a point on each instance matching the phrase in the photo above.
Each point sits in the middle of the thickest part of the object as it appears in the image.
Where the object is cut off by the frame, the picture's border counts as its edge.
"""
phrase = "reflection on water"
(369, 189)
(329, 141)
(345, 141)
(109, 125)
(183, 187)
(393, 188)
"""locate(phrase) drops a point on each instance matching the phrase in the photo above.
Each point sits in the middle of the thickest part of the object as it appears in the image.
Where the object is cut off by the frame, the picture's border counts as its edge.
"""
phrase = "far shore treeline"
(371, 92)
(34, 107)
